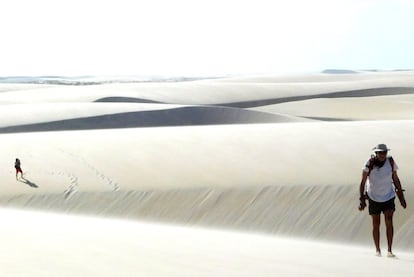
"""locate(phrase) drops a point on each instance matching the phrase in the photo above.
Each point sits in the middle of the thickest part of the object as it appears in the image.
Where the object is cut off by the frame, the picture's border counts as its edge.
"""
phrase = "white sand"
(36, 244)
(284, 178)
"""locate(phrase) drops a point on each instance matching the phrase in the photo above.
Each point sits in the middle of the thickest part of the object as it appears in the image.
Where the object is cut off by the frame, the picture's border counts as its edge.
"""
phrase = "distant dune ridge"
(278, 155)
(167, 117)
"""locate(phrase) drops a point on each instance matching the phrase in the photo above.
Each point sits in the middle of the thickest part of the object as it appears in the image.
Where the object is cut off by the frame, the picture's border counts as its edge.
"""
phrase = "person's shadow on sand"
(28, 182)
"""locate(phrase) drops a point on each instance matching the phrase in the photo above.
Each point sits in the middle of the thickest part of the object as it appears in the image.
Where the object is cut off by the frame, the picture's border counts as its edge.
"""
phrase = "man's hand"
(362, 203)
(400, 194)
(403, 203)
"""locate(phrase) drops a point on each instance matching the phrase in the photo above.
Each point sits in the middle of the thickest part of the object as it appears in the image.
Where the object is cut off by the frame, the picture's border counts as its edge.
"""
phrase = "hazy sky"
(192, 37)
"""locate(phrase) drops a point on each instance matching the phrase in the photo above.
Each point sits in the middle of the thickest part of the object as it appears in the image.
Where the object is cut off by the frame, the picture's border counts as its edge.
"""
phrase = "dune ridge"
(210, 92)
(341, 94)
(265, 102)
(287, 211)
(184, 116)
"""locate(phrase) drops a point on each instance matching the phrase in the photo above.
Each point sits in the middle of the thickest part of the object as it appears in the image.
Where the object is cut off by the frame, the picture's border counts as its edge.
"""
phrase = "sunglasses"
(382, 152)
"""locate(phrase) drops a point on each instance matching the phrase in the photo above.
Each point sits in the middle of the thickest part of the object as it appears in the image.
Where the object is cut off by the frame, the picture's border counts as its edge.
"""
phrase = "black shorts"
(378, 207)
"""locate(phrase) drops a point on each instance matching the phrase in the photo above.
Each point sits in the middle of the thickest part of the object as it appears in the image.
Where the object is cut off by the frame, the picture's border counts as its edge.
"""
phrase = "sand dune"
(206, 92)
(21, 118)
(340, 94)
(241, 176)
(289, 211)
(265, 102)
(27, 114)
(207, 167)
(354, 76)
(390, 107)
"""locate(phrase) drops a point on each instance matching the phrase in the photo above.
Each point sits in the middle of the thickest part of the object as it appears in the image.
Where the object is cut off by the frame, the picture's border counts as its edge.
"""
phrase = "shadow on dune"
(340, 94)
(272, 101)
(327, 118)
(340, 71)
(126, 100)
(186, 116)
(28, 182)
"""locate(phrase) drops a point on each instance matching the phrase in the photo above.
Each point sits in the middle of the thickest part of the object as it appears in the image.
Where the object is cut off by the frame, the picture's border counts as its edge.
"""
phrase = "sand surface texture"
(238, 176)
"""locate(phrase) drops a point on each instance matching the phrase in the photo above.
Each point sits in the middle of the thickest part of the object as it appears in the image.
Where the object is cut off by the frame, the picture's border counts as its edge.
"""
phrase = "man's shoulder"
(393, 163)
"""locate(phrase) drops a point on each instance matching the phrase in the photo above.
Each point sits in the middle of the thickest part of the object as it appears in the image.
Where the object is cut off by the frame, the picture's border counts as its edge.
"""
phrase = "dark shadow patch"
(326, 118)
(125, 100)
(339, 71)
(272, 101)
(340, 94)
(28, 182)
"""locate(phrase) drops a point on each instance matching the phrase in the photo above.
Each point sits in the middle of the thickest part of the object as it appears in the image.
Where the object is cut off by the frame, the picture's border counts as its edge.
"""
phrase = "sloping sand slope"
(310, 164)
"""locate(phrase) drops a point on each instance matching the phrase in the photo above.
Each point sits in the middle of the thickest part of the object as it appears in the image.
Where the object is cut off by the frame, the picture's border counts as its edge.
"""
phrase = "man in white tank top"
(379, 184)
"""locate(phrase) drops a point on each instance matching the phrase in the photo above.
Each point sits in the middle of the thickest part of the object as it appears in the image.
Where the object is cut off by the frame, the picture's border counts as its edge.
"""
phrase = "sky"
(194, 37)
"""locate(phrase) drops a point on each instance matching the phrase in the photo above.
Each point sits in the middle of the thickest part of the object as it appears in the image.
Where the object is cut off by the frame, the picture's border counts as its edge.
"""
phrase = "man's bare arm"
(362, 200)
(398, 189)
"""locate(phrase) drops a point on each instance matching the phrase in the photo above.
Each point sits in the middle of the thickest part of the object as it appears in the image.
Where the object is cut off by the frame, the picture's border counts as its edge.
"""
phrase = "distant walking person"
(379, 181)
(18, 168)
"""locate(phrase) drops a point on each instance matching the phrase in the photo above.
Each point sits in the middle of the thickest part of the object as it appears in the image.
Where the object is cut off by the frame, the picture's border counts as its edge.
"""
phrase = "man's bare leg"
(390, 229)
(376, 221)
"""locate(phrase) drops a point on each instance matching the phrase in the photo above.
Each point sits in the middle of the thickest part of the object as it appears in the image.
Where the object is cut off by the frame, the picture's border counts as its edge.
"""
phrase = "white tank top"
(380, 187)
